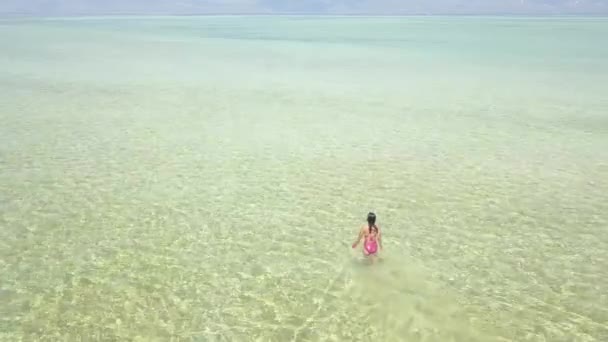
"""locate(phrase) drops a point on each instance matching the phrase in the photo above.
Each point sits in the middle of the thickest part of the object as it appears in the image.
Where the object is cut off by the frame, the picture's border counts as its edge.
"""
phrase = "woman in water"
(370, 235)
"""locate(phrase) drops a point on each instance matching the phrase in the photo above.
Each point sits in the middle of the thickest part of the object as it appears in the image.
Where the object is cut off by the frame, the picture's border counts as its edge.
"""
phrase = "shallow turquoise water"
(202, 178)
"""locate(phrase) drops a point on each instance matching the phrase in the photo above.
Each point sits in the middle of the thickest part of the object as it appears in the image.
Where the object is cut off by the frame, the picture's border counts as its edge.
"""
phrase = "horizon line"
(299, 14)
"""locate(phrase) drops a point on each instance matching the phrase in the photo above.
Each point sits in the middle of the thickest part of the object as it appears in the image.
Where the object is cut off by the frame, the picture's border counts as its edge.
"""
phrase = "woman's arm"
(379, 238)
(358, 238)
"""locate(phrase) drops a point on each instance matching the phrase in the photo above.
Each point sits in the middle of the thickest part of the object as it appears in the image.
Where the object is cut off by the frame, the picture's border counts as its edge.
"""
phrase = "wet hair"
(371, 222)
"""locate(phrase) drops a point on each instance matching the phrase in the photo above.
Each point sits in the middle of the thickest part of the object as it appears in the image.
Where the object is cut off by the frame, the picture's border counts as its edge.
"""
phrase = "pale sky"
(100, 7)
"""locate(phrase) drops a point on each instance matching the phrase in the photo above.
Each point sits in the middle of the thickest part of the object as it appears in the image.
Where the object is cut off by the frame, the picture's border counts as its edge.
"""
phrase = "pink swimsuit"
(371, 245)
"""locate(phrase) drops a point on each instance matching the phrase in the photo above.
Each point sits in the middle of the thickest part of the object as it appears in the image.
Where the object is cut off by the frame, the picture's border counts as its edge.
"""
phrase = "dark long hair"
(371, 222)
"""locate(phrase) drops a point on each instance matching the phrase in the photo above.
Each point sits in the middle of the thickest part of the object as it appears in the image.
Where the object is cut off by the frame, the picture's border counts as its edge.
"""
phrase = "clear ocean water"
(202, 178)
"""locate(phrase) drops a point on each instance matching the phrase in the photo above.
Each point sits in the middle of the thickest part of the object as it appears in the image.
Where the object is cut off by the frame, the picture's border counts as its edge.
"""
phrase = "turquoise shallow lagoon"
(202, 178)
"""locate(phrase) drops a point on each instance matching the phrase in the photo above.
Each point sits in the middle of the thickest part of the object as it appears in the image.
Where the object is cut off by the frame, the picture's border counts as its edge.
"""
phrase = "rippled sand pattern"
(202, 179)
